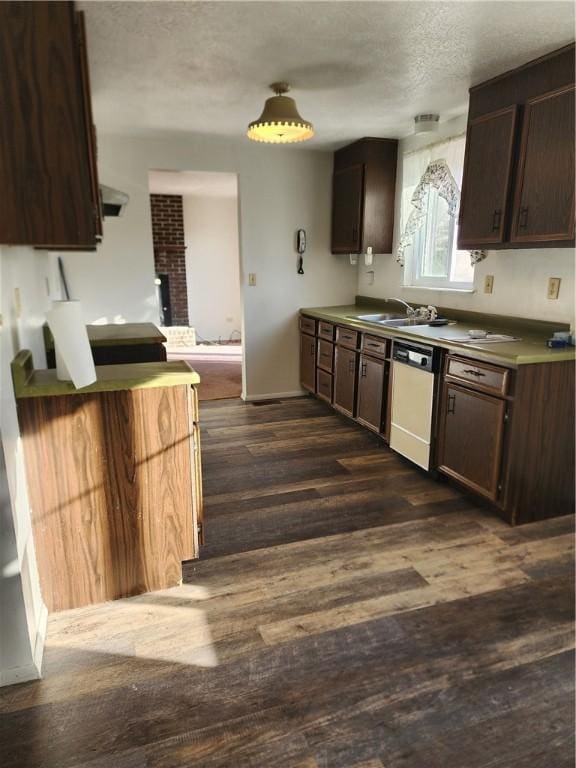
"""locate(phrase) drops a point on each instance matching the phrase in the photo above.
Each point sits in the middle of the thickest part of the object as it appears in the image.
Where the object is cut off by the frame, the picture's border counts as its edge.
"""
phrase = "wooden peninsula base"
(114, 478)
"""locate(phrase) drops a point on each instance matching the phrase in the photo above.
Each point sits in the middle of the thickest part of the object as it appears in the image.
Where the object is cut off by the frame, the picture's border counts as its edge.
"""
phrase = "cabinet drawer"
(482, 376)
(308, 325)
(346, 337)
(326, 330)
(325, 358)
(374, 345)
(324, 382)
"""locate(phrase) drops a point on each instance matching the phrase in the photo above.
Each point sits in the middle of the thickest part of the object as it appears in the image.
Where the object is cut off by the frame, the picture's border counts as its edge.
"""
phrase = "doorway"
(197, 262)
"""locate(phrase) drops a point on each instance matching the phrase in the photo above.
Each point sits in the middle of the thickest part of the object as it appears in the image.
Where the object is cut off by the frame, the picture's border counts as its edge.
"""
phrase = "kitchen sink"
(389, 320)
(377, 318)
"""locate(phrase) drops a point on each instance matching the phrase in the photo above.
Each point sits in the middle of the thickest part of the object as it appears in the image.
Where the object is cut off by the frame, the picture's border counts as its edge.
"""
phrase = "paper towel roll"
(73, 354)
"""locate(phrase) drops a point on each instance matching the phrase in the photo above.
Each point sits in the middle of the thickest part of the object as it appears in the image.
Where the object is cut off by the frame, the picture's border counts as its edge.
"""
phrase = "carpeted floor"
(219, 366)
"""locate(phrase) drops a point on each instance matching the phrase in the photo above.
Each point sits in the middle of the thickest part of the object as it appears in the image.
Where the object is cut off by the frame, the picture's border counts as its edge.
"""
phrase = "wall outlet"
(252, 278)
(553, 287)
(488, 283)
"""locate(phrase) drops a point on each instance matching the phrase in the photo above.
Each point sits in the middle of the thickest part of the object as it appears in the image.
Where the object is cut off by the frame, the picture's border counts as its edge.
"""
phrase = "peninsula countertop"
(530, 348)
(117, 334)
(110, 378)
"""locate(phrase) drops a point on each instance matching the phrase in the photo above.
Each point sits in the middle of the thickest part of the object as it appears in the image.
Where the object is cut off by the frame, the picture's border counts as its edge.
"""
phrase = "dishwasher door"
(411, 412)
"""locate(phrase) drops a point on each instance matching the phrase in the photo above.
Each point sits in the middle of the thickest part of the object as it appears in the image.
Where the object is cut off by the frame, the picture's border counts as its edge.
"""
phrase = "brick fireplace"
(170, 251)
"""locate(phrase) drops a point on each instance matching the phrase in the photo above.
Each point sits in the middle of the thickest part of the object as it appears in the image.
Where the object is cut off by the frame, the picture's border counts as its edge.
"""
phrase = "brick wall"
(170, 251)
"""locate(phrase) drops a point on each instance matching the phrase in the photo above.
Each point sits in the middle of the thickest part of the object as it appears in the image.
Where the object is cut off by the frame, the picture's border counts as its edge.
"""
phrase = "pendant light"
(280, 122)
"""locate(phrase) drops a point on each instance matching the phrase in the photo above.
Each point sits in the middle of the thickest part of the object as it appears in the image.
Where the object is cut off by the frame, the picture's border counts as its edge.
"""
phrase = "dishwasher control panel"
(417, 355)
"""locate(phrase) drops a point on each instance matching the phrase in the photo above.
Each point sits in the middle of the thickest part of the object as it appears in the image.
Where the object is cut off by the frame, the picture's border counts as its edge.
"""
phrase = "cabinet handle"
(523, 218)
(312, 349)
(451, 404)
(351, 366)
(374, 346)
(363, 371)
(474, 372)
(496, 219)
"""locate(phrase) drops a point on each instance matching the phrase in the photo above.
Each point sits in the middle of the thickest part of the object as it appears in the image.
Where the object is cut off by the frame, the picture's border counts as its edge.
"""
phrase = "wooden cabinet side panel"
(347, 205)
(540, 476)
(44, 164)
(110, 484)
(66, 468)
(307, 362)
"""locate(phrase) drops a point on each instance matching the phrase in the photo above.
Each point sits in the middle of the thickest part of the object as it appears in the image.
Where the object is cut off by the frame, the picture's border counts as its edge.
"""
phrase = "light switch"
(252, 278)
(488, 283)
(553, 287)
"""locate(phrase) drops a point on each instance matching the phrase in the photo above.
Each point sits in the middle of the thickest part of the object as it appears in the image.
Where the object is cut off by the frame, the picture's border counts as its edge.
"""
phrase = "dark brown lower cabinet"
(308, 362)
(324, 382)
(372, 387)
(471, 438)
(345, 370)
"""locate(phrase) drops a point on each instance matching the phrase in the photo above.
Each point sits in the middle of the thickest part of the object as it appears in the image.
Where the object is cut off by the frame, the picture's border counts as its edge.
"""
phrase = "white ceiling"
(357, 68)
(196, 183)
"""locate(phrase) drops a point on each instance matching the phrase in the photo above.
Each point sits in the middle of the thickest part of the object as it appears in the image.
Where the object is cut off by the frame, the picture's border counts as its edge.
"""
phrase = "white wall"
(281, 189)
(22, 612)
(212, 266)
(520, 276)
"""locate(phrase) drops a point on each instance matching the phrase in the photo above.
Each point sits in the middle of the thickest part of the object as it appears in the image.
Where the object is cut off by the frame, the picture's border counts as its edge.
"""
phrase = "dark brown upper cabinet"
(489, 144)
(363, 191)
(48, 177)
(518, 185)
(544, 203)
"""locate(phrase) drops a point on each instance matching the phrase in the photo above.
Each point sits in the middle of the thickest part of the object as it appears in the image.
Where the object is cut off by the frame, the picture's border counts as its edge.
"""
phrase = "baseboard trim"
(274, 395)
(32, 671)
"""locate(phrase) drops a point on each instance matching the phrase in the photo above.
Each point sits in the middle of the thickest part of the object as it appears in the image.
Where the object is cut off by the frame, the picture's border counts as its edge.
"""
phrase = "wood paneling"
(540, 480)
(112, 492)
(47, 154)
(544, 204)
(370, 632)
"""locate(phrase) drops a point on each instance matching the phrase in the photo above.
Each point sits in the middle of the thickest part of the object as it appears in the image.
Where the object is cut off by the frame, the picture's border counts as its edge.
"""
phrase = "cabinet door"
(486, 182)
(46, 175)
(370, 401)
(347, 197)
(471, 438)
(544, 205)
(345, 380)
(308, 362)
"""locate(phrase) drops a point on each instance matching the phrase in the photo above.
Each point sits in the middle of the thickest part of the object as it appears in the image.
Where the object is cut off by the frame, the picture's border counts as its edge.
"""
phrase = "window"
(435, 261)
(430, 201)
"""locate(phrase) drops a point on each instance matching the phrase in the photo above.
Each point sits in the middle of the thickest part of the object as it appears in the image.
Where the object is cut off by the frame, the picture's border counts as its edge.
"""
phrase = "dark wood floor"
(348, 612)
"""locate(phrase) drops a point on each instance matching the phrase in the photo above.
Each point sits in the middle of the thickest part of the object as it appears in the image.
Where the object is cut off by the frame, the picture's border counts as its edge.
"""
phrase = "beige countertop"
(530, 349)
(110, 378)
(119, 334)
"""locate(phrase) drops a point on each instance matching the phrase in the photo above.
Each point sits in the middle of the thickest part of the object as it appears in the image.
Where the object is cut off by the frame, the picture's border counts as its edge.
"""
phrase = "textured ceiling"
(357, 68)
(199, 183)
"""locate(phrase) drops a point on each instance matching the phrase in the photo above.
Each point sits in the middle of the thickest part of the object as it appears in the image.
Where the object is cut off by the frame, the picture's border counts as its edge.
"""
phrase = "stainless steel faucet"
(409, 310)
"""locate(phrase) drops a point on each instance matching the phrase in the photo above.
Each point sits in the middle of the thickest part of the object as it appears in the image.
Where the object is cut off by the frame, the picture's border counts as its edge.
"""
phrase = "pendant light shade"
(280, 122)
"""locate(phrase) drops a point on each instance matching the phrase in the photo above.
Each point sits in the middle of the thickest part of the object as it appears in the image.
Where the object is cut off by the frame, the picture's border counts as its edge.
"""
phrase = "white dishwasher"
(414, 370)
